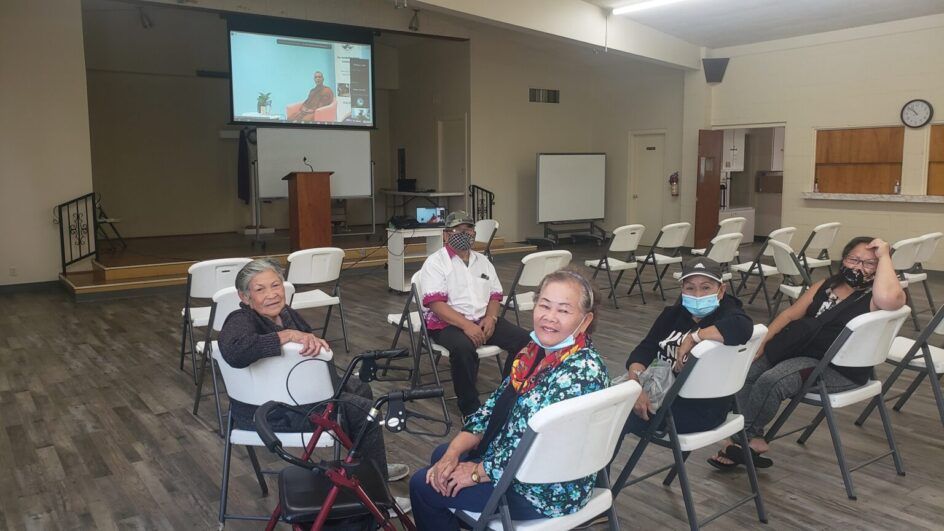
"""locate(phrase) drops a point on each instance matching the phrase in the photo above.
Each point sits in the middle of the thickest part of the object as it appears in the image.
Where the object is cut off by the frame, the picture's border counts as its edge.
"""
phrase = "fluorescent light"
(639, 6)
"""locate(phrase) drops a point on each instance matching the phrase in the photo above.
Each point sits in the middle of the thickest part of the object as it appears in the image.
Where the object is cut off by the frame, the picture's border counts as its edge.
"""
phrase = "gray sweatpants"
(767, 386)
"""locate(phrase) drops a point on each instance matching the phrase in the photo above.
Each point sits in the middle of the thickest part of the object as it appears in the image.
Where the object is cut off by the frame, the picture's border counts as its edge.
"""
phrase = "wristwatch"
(475, 475)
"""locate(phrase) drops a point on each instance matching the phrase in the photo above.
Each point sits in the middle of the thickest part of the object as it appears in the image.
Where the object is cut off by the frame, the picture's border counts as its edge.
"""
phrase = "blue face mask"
(568, 341)
(701, 306)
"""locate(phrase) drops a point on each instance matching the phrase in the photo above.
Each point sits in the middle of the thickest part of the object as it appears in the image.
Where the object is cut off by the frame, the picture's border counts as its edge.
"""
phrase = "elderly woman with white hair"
(259, 328)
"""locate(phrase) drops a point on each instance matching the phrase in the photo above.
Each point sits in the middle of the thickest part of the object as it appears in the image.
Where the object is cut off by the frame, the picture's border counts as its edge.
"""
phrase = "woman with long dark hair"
(866, 282)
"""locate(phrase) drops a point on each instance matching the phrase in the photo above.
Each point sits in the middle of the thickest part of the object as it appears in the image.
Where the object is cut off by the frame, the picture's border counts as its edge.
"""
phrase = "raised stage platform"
(157, 262)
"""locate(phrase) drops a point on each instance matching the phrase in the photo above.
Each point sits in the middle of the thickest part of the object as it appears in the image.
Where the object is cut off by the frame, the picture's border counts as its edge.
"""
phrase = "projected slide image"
(297, 80)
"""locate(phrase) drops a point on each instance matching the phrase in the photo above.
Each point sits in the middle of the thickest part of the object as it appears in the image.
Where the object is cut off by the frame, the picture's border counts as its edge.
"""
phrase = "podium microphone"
(305, 160)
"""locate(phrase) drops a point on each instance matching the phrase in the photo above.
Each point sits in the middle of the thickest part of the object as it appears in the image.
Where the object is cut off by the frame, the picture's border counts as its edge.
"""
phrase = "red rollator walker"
(316, 493)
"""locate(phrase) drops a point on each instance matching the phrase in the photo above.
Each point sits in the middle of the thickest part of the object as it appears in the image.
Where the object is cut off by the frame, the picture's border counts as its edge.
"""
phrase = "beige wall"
(44, 141)
(861, 78)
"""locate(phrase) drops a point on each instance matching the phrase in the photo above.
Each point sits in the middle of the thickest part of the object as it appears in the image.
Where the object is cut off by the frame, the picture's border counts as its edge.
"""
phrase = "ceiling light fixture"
(639, 6)
(415, 21)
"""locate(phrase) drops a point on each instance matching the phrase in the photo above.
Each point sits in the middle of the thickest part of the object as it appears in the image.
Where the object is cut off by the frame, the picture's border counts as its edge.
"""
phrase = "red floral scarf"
(524, 374)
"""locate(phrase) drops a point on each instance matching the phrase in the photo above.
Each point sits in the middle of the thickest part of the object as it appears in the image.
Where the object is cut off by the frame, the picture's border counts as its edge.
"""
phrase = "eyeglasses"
(856, 261)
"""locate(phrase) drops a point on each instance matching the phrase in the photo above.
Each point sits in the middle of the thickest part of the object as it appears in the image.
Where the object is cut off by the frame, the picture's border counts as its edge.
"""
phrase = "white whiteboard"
(345, 152)
(571, 186)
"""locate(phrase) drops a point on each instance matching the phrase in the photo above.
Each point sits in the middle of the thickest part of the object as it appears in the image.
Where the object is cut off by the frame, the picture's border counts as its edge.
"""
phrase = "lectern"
(309, 209)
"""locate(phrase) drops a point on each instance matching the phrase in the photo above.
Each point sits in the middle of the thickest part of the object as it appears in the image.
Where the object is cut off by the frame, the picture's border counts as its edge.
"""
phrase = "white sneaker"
(397, 471)
(403, 503)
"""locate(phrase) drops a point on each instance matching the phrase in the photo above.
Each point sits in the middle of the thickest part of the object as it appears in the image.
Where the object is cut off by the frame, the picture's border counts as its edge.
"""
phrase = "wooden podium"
(309, 209)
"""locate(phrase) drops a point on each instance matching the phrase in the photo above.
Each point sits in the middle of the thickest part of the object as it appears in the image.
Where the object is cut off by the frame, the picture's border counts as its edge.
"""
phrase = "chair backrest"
(585, 429)
(785, 259)
(823, 236)
(725, 247)
(269, 378)
(730, 226)
(315, 266)
(209, 276)
(871, 338)
(905, 253)
(226, 301)
(673, 235)
(939, 329)
(536, 266)
(485, 229)
(928, 246)
(721, 369)
(784, 235)
(626, 238)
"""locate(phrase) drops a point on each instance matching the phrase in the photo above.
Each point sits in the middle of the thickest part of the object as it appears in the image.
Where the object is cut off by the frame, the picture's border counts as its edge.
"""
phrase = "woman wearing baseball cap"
(703, 312)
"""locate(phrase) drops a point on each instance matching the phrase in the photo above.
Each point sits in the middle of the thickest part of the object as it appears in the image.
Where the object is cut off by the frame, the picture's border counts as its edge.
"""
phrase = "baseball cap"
(459, 217)
(701, 266)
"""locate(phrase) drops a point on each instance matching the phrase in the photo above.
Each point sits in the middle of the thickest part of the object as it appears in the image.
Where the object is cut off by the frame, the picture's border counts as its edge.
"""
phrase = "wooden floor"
(97, 431)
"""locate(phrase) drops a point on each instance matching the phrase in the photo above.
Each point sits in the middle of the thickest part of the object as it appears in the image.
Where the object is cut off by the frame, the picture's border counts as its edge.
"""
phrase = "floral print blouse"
(581, 373)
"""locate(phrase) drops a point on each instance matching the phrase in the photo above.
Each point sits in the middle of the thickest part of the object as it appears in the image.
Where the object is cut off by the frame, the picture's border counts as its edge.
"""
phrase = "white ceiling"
(720, 23)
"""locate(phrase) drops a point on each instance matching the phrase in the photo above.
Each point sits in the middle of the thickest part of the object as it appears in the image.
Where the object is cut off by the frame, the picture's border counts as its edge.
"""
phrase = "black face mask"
(856, 278)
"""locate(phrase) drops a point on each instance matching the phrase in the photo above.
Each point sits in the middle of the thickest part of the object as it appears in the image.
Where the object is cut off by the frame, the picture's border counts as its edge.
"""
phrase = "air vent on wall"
(544, 95)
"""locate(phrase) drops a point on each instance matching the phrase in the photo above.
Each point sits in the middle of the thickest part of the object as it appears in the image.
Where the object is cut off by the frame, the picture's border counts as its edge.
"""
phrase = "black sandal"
(735, 453)
(713, 461)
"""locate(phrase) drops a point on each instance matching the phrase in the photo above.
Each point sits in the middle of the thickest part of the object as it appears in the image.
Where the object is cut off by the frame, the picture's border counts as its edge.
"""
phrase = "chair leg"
(630, 465)
(886, 386)
(670, 477)
(660, 275)
(778, 299)
(837, 445)
(752, 477)
(200, 374)
(639, 269)
(347, 348)
(683, 477)
(890, 436)
(938, 395)
(914, 313)
(183, 339)
(811, 427)
(609, 277)
(255, 468)
(227, 458)
(927, 291)
(193, 354)
(910, 391)
(216, 396)
(659, 281)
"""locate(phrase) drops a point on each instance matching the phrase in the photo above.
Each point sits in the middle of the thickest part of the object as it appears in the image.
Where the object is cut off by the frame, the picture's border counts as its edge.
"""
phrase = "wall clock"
(916, 113)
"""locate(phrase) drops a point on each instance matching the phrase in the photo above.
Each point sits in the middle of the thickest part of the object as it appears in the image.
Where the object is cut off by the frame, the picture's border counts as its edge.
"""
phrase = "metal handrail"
(482, 202)
(78, 224)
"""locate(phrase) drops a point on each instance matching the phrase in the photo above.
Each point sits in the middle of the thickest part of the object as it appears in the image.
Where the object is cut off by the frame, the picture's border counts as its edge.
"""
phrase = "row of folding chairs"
(309, 267)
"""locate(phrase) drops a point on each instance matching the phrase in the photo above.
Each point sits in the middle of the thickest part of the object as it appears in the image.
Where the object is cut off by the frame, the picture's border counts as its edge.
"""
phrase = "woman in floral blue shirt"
(559, 363)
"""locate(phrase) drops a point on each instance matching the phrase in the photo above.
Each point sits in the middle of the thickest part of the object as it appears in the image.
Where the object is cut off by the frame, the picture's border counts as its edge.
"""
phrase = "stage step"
(124, 280)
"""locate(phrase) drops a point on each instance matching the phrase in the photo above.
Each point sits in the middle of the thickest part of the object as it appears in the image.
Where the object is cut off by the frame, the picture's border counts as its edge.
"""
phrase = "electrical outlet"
(13, 272)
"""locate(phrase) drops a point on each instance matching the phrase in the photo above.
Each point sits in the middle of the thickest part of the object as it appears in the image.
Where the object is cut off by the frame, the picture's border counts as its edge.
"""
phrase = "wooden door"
(708, 188)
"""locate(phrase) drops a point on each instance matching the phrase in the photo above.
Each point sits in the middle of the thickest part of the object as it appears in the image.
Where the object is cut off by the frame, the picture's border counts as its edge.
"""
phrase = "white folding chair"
(796, 277)
(225, 302)
(904, 259)
(203, 280)
(724, 250)
(318, 266)
(534, 267)
(917, 355)
(864, 342)
(758, 268)
(625, 240)
(917, 274)
(485, 231)
(819, 241)
(725, 226)
(565, 441)
(670, 241)
(714, 370)
(291, 379)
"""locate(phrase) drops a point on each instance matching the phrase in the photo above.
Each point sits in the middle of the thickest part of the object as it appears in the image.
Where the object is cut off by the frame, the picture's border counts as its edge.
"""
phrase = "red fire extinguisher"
(674, 184)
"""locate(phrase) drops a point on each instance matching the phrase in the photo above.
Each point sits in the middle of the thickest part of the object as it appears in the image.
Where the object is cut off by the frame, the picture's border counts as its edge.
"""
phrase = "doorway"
(647, 185)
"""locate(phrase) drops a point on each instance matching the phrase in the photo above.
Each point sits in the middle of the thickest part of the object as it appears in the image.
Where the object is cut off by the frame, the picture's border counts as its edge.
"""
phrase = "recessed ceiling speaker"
(714, 69)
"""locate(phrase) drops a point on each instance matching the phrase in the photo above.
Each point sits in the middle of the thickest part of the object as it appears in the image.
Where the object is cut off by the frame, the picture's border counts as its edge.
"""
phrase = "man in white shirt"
(462, 299)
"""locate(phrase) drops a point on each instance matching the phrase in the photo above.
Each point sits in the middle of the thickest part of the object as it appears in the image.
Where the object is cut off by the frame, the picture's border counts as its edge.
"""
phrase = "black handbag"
(792, 340)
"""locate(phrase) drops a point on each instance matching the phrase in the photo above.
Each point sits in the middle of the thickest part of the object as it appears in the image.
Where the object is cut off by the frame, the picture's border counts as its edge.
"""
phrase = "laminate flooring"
(96, 430)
